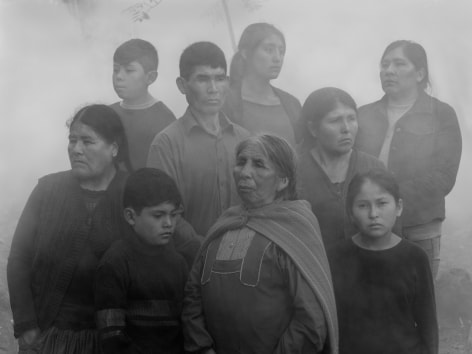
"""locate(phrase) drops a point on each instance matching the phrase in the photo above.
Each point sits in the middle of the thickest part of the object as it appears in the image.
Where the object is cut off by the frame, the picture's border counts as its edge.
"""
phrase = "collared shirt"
(201, 165)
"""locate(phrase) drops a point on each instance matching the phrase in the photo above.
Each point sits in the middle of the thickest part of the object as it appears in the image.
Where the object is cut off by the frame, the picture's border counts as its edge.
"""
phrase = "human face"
(154, 225)
(268, 58)
(205, 89)
(375, 211)
(398, 75)
(337, 131)
(131, 82)
(91, 156)
(256, 178)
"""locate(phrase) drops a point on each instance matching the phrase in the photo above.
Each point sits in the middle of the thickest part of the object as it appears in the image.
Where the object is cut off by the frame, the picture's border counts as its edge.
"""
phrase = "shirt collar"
(190, 123)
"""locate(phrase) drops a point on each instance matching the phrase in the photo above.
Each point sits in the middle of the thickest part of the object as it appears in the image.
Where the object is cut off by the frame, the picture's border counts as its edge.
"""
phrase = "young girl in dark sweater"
(383, 283)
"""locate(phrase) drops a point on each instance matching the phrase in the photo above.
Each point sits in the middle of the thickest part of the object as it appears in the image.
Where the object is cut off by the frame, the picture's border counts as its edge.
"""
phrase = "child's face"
(375, 211)
(154, 225)
(130, 81)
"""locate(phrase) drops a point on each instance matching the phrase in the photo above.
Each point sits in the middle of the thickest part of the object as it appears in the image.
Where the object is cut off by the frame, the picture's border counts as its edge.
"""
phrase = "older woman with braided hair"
(261, 282)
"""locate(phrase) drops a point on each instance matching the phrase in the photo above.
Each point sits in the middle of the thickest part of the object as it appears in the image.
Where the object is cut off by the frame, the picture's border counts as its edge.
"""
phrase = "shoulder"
(366, 162)
(368, 109)
(442, 109)
(170, 133)
(116, 254)
(162, 109)
(58, 179)
(240, 132)
(287, 96)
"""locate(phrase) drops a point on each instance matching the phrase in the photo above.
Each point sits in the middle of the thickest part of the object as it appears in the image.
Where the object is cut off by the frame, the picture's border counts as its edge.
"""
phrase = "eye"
(259, 163)
(221, 78)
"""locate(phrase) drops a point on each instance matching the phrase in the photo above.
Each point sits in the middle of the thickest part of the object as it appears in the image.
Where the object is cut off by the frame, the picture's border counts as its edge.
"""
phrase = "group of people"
(252, 224)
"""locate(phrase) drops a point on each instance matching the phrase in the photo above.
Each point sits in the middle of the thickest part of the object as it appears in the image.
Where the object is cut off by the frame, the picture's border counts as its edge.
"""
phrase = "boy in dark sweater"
(134, 69)
(140, 280)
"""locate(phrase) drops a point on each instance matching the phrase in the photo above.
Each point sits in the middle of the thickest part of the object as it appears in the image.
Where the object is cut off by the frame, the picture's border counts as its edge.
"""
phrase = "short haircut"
(149, 187)
(137, 50)
(382, 178)
(279, 152)
(319, 103)
(105, 122)
(201, 54)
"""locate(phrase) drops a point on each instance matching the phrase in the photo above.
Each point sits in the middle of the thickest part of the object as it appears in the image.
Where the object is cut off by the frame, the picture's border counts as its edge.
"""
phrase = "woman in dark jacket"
(327, 160)
(419, 140)
(253, 102)
(70, 219)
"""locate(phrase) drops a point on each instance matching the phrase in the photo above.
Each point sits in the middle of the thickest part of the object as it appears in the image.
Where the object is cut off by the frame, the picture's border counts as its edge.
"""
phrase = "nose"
(212, 85)
(246, 170)
(167, 221)
(345, 127)
(373, 212)
(119, 73)
(76, 147)
(278, 56)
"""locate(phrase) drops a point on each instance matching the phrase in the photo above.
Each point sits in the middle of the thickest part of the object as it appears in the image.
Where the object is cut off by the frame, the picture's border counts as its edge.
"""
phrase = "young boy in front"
(134, 69)
(140, 280)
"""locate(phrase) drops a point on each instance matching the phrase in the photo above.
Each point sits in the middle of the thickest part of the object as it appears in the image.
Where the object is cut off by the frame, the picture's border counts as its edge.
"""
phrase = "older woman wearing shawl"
(261, 283)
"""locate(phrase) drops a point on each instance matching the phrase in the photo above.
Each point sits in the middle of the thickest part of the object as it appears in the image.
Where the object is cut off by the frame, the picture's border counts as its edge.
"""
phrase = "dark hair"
(137, 50)
(279, 152)
(148, 187)
(416, 54)
(107, 123)
(380, 177)
(250, 39)
(319, 103)
(201, 53)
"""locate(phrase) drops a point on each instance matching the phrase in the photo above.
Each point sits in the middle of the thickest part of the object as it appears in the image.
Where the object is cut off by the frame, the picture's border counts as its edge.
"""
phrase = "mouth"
(245, 188)
(345, 141)
(375, 226)
(166, 235)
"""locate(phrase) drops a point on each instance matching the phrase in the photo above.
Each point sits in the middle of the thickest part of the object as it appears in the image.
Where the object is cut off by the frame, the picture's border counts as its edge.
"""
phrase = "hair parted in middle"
(281, 154)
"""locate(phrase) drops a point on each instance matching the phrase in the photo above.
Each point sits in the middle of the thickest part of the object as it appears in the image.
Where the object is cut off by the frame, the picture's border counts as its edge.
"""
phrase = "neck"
(142, 100)
(403, 98)
(254, 88)
(100, 183)
(334, 165)
(209, 122)
(385, 242)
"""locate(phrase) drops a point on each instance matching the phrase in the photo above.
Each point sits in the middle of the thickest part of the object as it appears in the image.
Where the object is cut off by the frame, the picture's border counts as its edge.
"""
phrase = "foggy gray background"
(54, 59)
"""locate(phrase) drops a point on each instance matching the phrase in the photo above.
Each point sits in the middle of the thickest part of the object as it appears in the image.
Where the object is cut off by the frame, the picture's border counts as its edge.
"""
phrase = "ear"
(151, 76)
(244, 54)
(312, 129)
(420, 75)
(115, 149)
(283, 183)
(399, 207)
(129, 215)
(181, 85)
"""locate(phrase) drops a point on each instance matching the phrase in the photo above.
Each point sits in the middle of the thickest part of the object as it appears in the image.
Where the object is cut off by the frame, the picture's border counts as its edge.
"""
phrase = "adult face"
(336, 132)
(375, 211)
(267, 59)
(154, 225)
(130, 81)
(205, 89)
(398, 75)
(91, 157)
(256, 178)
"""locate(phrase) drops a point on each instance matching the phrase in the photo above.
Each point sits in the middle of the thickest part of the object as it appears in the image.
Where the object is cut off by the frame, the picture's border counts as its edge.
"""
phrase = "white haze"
(52, 63)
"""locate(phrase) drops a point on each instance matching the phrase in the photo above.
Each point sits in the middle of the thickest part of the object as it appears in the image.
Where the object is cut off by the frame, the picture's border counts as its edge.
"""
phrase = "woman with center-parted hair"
(261, 282)
(328, 161)
(252, 101)
(69, 221)
(418, 138)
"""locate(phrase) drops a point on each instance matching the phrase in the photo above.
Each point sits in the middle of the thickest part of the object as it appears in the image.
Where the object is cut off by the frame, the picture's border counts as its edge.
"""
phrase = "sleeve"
(424, 307)
(20, 263)
(196, 337)
(111, 284)
(447, 152)
(307, 331)
(186, 240)
(161, 156)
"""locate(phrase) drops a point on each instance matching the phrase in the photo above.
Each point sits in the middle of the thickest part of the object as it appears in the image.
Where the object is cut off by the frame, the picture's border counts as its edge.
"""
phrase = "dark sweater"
(48, 244)
(139, 292)
(327, 200)
(385, 300)
(141, 126)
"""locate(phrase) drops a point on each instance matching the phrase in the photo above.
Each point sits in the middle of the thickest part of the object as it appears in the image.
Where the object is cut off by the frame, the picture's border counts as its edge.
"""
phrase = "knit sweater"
(52, 232)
